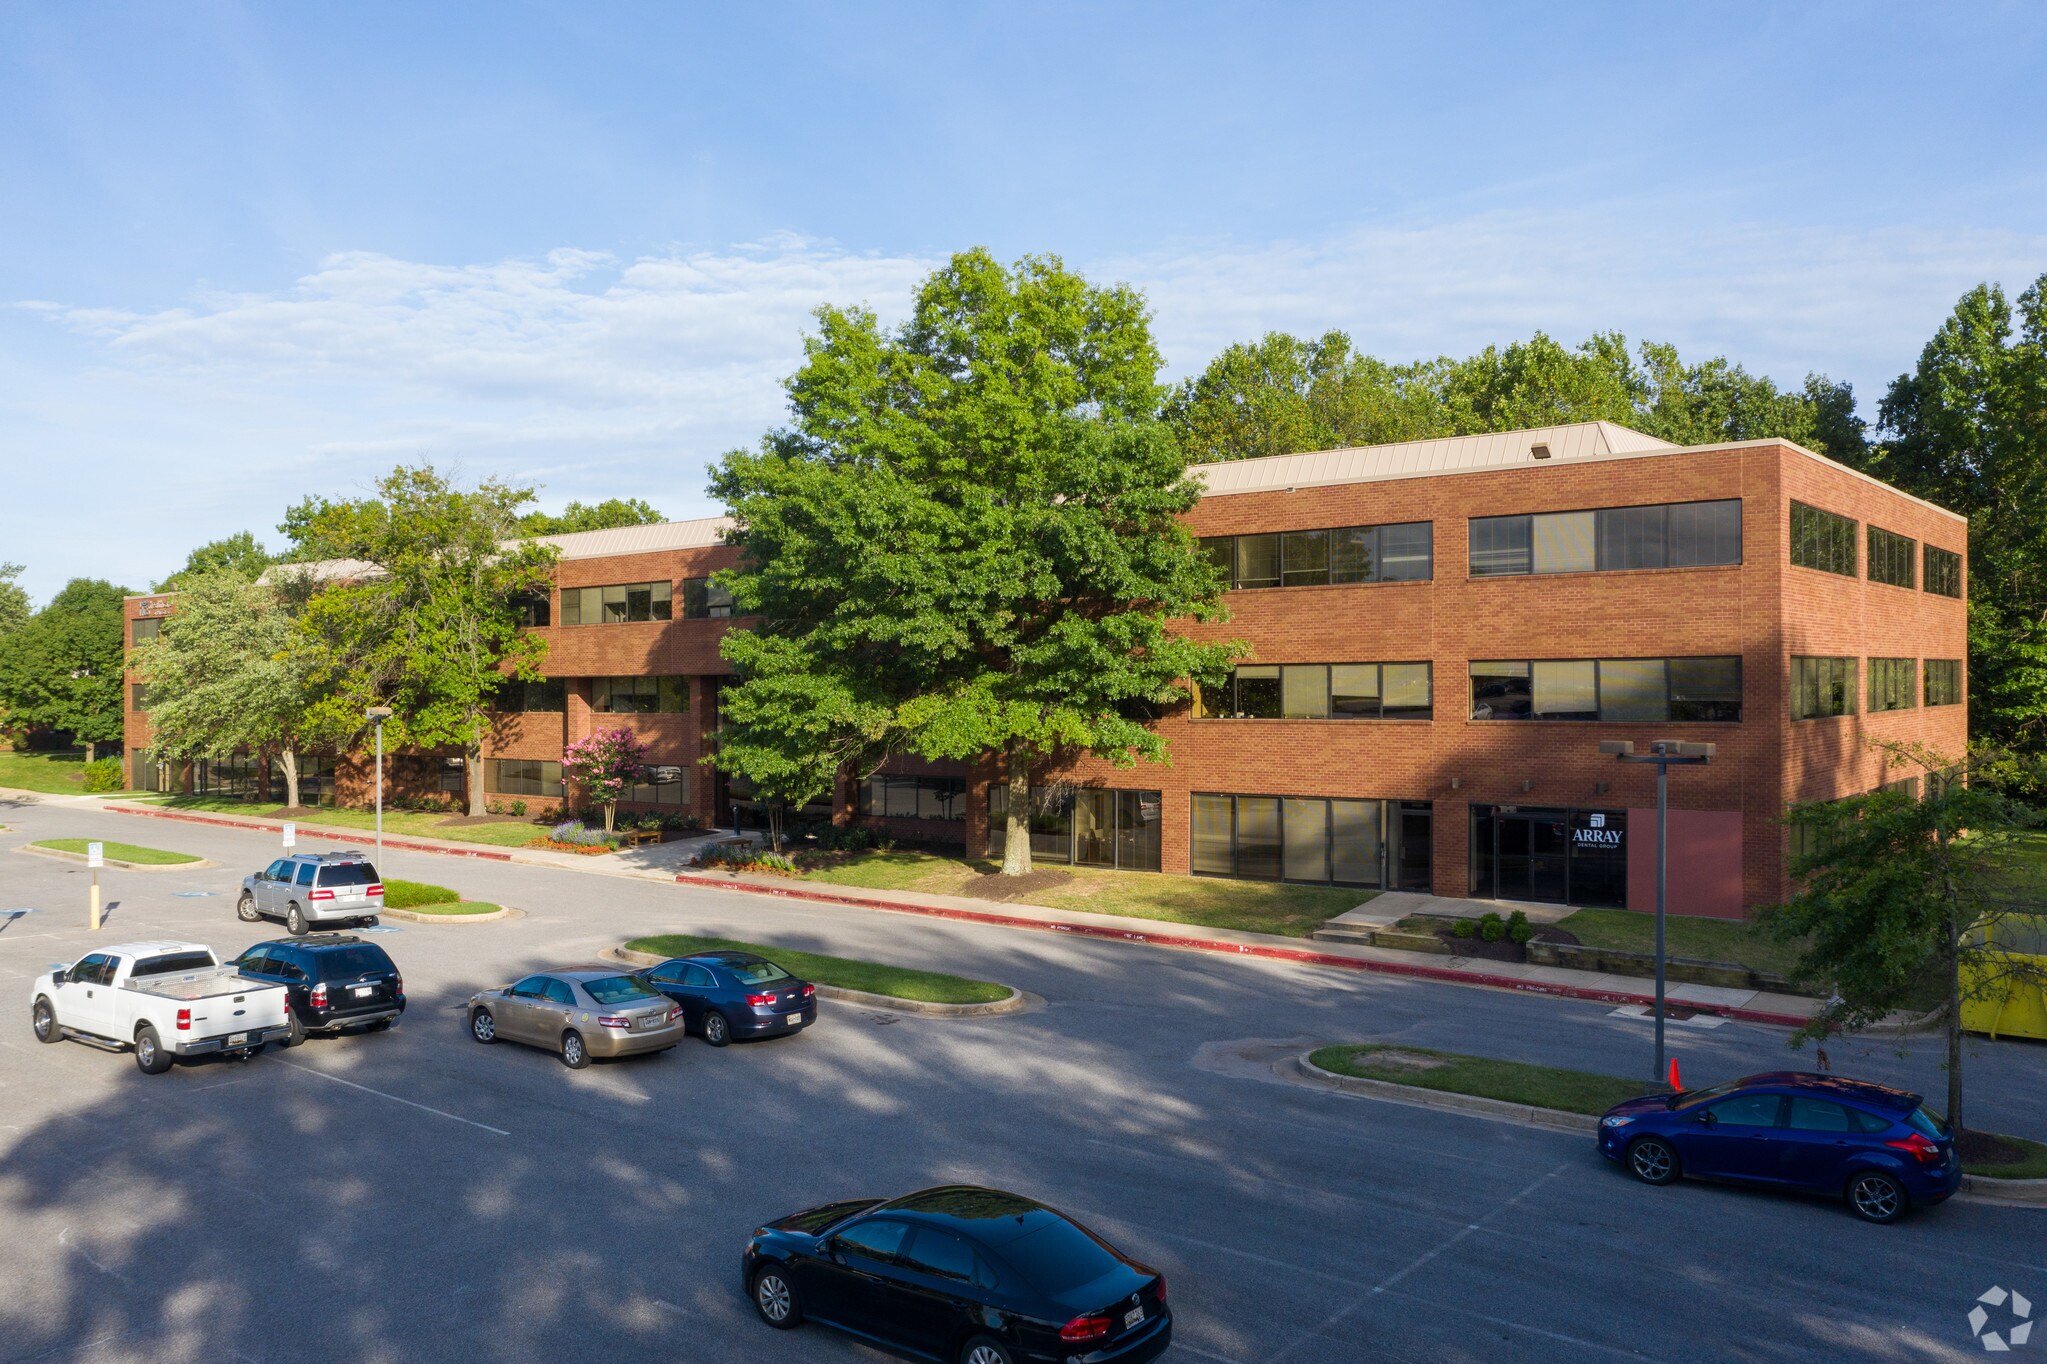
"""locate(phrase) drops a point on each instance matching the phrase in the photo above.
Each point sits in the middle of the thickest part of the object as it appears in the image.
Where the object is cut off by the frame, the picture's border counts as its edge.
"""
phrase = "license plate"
(237, 1039)
(795, 1019)
(652, 1020)
(1133, 1316)
(365, 991)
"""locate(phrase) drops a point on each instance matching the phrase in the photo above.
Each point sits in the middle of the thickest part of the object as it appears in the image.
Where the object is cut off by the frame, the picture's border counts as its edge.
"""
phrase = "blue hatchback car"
(1876, 1147)
(730, 994)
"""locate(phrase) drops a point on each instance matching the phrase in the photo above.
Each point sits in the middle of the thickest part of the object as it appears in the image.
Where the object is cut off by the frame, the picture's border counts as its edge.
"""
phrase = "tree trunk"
(288, 759)
(774, 809)
(610, 816)
(88, 750)
(472, 773)
(1016, 846)
(1954, 1028)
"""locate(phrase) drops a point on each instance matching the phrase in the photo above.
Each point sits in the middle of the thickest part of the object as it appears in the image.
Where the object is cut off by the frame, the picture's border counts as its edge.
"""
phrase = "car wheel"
(574, 1054)
(717, 1028)
(1876, 1197)
(483, 1027)
(43, 1019)
(245, 908)
(774, 1297)
(150, 1057)
(295, 921)
(1651, 1160)
(984, 1350)
(295, 1031)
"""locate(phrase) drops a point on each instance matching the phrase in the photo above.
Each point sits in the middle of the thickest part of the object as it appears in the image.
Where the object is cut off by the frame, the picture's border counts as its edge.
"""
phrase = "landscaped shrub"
(412, 894)
(518, 808)
(1464, 928)
(749, 857)
(1491, 926)
(851, 838)
(103, 774)
(1518, 927)
(678, 823)
(576, 835)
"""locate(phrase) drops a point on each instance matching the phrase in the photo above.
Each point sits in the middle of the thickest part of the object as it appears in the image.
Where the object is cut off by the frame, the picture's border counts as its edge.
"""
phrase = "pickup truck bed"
(188, 986)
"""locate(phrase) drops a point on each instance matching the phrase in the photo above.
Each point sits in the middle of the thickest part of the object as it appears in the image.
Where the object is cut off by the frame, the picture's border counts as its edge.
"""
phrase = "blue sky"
(252, 251)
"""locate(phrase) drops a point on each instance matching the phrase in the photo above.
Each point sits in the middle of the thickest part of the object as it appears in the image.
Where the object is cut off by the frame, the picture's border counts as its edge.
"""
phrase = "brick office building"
(1441, 634)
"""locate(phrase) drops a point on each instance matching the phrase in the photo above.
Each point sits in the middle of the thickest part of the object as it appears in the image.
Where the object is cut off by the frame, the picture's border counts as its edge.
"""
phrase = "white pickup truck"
(165, 999)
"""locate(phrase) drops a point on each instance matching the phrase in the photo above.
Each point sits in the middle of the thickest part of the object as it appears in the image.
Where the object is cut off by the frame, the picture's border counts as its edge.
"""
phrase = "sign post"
(291, 834)
(95, 858)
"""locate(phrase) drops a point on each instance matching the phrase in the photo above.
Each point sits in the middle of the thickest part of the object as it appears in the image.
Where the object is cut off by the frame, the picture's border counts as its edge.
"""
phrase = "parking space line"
(1508, 1323)
(439, 1113)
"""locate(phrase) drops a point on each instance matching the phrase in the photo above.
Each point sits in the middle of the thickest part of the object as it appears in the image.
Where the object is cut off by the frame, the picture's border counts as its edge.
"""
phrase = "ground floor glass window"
(1312, 839)
(1089, 826)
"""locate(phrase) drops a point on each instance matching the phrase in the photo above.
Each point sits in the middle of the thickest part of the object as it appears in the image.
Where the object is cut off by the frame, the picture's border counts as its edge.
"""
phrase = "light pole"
(1665, 754)
(379, 714)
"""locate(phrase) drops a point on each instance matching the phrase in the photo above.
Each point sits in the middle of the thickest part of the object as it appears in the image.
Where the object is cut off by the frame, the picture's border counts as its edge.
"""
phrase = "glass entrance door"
(1521, 854)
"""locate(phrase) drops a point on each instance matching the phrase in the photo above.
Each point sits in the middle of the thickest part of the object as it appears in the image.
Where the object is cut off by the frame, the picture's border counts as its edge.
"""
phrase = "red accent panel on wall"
(1705, 862)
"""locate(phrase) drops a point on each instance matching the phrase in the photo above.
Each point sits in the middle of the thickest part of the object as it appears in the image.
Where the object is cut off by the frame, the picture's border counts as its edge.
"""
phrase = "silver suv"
(313, 888)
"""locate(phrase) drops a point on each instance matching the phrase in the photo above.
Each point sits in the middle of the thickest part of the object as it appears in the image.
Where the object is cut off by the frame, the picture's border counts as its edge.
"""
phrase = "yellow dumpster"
(2004, 979)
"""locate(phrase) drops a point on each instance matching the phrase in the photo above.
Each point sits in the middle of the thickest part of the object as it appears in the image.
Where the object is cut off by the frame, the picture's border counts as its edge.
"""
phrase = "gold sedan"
(578, 1015)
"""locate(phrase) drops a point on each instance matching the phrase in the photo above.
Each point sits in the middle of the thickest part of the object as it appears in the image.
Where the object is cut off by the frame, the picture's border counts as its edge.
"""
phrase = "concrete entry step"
(1393, 905)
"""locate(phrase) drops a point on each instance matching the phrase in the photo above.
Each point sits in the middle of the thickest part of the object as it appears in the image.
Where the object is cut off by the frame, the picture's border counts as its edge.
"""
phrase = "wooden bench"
(635, 837)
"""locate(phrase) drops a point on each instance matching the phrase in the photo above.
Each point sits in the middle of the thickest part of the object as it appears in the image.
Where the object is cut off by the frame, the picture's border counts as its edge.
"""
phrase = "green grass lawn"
(1573, 1091)
(119, 852)
(60, 772)
(2033, 1166)
(1252, 906)
(397, 823)
(1732, 940)
(421, 897)
(899, 982)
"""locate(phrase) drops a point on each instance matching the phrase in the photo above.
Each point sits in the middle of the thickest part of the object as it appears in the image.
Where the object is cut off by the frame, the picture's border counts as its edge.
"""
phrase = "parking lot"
(412, 1195)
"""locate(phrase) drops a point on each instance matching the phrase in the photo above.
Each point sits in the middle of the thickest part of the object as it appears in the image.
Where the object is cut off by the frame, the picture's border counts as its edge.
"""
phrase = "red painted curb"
(264, 826)
(1417, 970)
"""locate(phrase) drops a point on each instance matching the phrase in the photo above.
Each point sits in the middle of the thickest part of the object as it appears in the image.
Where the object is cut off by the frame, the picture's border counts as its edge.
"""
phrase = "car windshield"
(1059, 1256)
(353, 961)
(757, 972)
(1691, 1098)
(348, 874)
(619, 990)
(172, 963)
(1927, 1125)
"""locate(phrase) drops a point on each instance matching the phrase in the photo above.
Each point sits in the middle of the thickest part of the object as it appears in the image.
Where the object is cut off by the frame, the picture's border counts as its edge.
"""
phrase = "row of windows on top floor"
(625, 603)
(1827, 541)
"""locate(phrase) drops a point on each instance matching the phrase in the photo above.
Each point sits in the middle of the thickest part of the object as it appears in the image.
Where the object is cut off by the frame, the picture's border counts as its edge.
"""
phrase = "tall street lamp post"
(1665, 754)
(379, 714)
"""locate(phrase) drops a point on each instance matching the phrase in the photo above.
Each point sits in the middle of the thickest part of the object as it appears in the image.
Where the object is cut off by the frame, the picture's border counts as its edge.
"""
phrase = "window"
(542, 694)
(703, 599)
(1092, 825)
(939, 1254)
(1891, 684)
(1891, 558)
(618, 604)
(304, 875)
(1314, 558)
(666, 784)
(1610, 689)
(1750, 1110)
(878, 1240)
(1821, 687)
(146, 628)
(1321, 691)
(890, 797)
(1822, 540)
(349, 874)
(558, 992)
(1677, 535)
(1943, 572)
(140, 696)
(1817, 1115)
(1943, 681)
(1904, 786)
(639, 695)
(533, 987)
(618, 990)
(1307, 839)
(522, 777)
(533, 609)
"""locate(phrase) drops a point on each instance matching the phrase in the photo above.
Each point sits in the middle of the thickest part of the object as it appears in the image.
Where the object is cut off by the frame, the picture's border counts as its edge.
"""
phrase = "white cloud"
(602, 376)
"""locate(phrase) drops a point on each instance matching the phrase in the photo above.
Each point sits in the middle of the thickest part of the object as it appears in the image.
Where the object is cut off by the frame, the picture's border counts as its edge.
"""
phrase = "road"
(413, 1196)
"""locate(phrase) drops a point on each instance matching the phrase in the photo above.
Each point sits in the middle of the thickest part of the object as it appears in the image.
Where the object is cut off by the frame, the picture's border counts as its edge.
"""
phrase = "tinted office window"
(533, 609)
(1305, 838)
(1566, 690)
(1304, 558)
(1258, 692)
(1258, 838)
(1502, 690)
(1609, 689)
(1304, 691)
(1821, 687)
(893, 797)
(1321, 691)
(1501, 545)
(1943, 681)
(1354, 554)
(1220, 551)
(618, 604)
(1634, 537)
(1214, 838)
(1704, 534)
(1705, 689)
(1678, 535)
(1087, 824)
(1565, 542)
(545, 694)
(522, 777)
(1407, 552)
(1892, 684)
(1892, 558)
(140, 630)
(639, 695)
(1257, 561)
(1943, 572)
(703, 599)
(1822, 540)
(1633, 689)
(1311, 558)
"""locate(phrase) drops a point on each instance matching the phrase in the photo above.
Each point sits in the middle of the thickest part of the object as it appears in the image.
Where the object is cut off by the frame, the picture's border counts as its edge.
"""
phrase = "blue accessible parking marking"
(194, 894)
(380, 929)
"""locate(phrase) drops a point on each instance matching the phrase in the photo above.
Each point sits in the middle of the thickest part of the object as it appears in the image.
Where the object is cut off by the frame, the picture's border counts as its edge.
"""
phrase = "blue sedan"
(734, 994)
(1880, 1149)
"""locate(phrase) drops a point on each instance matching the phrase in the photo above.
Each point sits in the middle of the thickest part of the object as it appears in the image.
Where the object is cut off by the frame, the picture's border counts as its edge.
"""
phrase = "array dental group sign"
(1594, 833)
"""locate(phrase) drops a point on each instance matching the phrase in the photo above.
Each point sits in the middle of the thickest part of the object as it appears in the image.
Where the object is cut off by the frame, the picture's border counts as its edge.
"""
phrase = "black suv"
(336, 981)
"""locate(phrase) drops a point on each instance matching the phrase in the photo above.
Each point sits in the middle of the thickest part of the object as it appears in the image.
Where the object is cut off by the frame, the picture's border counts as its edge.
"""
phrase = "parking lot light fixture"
(1664, 753)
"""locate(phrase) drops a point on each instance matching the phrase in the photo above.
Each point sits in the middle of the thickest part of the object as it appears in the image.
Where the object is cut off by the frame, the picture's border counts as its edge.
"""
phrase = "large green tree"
(240, 552)
(1283, 394)
(1967, 429)
(609, 514)
(966, 543)
(14, 604)
(63, 669)
(226, 673)
(431, 628)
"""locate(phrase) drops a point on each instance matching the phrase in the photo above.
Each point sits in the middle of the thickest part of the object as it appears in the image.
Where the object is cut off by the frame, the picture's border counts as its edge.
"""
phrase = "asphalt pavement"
(414, 1196)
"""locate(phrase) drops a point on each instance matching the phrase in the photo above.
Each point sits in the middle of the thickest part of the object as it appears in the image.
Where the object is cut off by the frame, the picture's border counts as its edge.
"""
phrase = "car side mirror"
(60, 975)
(1706, 1118)
(831, 1250)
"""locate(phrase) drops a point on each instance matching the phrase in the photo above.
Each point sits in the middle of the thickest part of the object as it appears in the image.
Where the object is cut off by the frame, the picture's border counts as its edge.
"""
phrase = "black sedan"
(734, 994)
(963, 1275)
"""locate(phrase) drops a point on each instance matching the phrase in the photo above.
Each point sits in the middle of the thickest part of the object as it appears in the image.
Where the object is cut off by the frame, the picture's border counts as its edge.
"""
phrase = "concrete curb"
(328, 835)
(200, 865)
(1016, 1002)
(412, 917)
(1471, 1105)
(1449, 975)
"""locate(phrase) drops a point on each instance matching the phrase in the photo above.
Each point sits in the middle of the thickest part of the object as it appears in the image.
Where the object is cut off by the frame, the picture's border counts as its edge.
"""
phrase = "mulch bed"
(1506, 949)
(996, 886)
(464, 821)
(1987, 1148)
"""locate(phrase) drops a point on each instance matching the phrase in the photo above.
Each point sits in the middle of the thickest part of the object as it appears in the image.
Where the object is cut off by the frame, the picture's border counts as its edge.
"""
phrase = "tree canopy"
(1284, 393)
(14, 605)
(240, 553)
(63, 670)
(966, 541)
(434, 634)
(609, 514)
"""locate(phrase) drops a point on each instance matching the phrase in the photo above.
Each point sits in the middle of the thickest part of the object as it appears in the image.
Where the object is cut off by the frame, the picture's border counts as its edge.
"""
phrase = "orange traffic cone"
(1673, 1074)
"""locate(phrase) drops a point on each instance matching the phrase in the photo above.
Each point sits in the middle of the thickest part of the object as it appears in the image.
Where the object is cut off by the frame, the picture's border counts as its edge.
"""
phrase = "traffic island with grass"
(1249, 906)
(119, 854)
(868, 977)
(1985, 1155)
(419, 897)
(492, 831)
